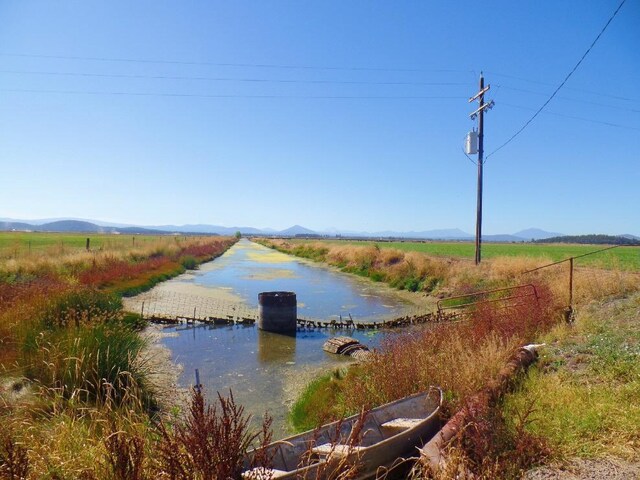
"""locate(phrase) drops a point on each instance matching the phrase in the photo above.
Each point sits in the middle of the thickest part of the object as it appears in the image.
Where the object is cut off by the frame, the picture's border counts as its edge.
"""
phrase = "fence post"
(571, 282)
(198, 385)
(568, 313)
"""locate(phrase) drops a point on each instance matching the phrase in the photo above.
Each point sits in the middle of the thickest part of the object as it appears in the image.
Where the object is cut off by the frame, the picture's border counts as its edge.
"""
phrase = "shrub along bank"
(71, 361)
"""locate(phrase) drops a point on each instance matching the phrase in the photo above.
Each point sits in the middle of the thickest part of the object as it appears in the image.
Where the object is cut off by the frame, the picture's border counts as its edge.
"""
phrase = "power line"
(223, 79)
(574, 117)
(198, 95)
(223, 64)
(581, 90)
(563, 82)
(288, 81)
(599, 104)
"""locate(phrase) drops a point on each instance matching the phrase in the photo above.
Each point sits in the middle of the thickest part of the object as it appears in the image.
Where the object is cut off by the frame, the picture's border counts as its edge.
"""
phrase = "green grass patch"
(12, 243)
(624, 258)
(83, 348)
(582, 419)
(77, 308)
(318, 403)
(189, 262)
(586, 390)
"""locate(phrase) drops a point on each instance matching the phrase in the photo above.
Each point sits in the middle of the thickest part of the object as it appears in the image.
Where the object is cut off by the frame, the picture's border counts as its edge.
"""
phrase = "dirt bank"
(163, 372)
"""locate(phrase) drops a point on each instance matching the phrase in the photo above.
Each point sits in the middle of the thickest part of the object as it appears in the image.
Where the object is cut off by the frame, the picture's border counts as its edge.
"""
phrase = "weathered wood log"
(339, 344)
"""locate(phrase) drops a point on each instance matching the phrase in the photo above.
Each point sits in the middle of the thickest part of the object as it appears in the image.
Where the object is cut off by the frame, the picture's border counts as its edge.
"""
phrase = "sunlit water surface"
(266, 371)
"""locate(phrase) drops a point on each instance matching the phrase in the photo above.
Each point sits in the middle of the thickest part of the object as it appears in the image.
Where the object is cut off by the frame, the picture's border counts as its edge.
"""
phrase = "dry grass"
(460, 358)
(68, 263)
(445, 276)
(75, 397)
(77, 441)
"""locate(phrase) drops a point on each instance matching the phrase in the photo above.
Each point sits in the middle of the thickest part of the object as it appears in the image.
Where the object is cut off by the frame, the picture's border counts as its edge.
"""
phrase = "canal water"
(266, 371)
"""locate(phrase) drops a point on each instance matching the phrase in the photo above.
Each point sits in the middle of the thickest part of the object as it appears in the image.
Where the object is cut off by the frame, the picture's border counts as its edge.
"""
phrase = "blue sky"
(329, 114)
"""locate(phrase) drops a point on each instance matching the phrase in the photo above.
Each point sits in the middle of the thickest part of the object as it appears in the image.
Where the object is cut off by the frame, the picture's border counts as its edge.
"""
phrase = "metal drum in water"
(278, 312)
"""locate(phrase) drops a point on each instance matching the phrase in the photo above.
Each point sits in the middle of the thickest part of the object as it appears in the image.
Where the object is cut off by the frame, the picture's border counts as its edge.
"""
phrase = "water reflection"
(276, 348)
(265, 371)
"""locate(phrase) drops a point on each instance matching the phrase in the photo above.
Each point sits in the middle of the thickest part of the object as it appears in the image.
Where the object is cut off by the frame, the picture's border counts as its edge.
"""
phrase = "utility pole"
(480, 114)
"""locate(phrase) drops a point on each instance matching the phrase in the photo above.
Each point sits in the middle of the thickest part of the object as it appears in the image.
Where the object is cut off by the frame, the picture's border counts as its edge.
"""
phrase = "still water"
(266, 371)
(248, 269)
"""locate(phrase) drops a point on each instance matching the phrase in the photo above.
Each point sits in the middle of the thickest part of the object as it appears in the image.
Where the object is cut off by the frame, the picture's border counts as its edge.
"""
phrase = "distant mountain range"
(93, 226)
(73, 226)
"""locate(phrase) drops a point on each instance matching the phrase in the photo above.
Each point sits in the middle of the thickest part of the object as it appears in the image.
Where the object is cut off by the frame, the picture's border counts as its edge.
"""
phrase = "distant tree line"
(594, 239)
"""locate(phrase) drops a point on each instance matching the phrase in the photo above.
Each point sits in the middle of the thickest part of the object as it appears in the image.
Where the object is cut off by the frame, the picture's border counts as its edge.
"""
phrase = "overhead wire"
(299, 81)
(470, 159)
(582, 90)
(227, 64)
(599, 104)
(528, 122)
(198, 95)
(224, 79)
(292, 81)
(574, 117)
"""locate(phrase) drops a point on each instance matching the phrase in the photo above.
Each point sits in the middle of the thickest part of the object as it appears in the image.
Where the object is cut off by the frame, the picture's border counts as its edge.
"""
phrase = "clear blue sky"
(296, 146)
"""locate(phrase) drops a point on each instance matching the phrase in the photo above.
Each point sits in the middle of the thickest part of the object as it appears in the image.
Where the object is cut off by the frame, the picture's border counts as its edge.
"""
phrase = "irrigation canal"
(265, 371)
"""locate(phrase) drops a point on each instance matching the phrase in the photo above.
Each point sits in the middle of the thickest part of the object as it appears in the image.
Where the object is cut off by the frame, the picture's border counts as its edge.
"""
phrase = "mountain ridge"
(96, 226)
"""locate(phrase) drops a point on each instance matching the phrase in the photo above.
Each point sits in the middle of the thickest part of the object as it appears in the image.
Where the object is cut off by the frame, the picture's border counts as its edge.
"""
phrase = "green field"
(624, 258)
(14, 244)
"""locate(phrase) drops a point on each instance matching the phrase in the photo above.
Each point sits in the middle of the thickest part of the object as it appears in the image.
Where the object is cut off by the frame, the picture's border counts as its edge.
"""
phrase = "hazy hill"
(297, 230)
(75, 226)
(442, 234)
(212, 229)
(10, 225)
(536, 234)
(504, 237)
(71, 226)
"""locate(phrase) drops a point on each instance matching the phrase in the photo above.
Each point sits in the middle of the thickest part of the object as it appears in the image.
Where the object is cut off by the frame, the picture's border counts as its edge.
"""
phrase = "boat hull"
(371, 444)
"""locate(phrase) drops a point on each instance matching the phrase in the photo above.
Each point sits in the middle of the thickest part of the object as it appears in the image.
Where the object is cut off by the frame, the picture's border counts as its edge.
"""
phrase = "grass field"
(18, 244)
(623, 258)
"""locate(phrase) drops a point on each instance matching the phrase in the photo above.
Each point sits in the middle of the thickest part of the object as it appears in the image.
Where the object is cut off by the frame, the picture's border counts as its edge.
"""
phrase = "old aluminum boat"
(371, 443)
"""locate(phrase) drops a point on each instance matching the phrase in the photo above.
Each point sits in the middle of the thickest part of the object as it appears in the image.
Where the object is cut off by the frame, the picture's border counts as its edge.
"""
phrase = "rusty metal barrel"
(278, 312)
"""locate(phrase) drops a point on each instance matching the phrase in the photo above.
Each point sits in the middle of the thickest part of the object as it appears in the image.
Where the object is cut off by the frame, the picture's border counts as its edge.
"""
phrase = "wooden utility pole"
(480, 152)
(480, 114)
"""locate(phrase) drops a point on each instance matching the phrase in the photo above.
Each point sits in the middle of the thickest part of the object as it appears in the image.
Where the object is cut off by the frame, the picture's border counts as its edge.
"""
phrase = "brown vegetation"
(461, 358)
(445, 276)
